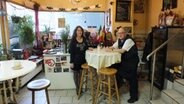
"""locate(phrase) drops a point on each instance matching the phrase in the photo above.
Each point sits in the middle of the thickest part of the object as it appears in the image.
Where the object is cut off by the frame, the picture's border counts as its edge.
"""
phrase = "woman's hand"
(71, 65)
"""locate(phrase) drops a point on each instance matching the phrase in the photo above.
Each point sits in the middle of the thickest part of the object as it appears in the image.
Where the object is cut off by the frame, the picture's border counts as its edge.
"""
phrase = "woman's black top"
(77, 53)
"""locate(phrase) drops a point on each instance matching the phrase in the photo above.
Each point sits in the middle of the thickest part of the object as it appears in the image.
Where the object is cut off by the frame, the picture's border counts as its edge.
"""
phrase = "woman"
(78, 46)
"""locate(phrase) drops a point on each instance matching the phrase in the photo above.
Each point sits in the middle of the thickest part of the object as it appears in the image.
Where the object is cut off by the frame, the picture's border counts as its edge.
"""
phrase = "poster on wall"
(123, 9)
(139, 6)
(169, 4)
(61, 22)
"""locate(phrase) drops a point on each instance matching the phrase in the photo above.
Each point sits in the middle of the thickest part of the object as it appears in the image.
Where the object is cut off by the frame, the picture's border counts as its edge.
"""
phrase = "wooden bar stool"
(87, 74)
(109, 82)
(37, 85)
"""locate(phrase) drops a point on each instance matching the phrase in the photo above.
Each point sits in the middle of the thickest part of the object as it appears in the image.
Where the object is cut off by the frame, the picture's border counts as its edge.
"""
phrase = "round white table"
(8, 72)
(101, 58)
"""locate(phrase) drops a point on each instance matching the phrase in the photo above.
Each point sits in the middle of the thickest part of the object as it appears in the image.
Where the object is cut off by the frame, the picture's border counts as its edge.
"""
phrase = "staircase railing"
(154, 52)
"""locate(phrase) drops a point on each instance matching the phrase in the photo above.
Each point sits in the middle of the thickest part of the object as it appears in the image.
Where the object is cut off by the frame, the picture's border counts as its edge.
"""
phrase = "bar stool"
(37, 85)
(109, 75)
(87, 74)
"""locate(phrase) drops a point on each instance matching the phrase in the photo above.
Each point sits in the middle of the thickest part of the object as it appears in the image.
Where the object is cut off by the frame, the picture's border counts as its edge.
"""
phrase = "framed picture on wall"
(128, 30)
(139, 6)
(123, 9)
(169, 4)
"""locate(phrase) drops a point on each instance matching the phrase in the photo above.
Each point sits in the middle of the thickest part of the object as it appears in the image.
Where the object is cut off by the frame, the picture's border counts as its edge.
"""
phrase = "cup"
(98, 48)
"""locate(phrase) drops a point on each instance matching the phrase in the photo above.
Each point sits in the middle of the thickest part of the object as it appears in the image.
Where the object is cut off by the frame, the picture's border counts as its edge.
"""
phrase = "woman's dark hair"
(75, 32)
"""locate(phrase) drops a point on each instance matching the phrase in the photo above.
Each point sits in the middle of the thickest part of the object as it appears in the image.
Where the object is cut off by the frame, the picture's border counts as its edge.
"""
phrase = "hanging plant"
(15, 19)
(25, 30)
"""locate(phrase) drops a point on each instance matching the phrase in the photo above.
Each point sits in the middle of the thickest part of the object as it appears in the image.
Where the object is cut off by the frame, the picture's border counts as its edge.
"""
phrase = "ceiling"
(62, 5)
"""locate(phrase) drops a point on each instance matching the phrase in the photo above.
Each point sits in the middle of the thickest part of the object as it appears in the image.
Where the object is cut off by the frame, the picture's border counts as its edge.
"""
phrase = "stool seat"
(38, 84)
(108, 71)
(85, 66)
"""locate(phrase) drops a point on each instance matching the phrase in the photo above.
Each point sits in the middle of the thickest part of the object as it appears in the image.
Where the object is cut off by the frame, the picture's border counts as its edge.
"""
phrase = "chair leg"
(81, 83)
(109, 89)
(98, 87)
(117, 91)
(92, 86)
(86, 77)
(47, 96)
(33, 97)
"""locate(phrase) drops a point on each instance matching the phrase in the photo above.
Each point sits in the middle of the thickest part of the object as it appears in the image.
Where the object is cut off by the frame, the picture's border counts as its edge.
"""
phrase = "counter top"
(56, 54)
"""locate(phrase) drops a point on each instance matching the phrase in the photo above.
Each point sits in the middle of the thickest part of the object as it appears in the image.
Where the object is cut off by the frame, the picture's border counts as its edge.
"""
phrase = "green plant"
(64, 36)
(46, 29)
(24, 27)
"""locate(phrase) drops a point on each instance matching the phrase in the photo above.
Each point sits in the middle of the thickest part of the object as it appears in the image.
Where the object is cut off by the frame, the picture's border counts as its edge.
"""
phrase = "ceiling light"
(86, 8)
(75, 1)
(62, 9)
(49, 7)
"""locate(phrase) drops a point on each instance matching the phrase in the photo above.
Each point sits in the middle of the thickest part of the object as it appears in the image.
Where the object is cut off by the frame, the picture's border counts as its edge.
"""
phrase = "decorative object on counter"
(64, 37)
(170, 16)
(166, 17)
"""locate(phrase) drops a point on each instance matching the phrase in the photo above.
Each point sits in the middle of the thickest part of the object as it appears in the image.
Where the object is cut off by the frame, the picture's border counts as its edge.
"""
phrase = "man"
(127, 68)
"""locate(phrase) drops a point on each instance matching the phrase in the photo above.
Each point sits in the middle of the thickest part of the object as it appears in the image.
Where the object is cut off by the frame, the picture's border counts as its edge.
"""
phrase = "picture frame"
(138, 6)
(123, 11)
(169, 4)
(128, 30)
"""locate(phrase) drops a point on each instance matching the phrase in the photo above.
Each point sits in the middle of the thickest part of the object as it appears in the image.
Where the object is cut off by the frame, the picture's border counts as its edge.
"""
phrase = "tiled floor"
(70, 97)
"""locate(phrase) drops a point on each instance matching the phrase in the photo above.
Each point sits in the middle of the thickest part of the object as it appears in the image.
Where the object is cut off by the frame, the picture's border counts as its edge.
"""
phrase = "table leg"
(12, 98)
(5, 94)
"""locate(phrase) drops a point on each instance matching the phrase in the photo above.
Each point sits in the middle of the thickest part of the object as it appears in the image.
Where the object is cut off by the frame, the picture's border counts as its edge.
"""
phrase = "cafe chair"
(107, 85)
(37, 85)
(87, 75)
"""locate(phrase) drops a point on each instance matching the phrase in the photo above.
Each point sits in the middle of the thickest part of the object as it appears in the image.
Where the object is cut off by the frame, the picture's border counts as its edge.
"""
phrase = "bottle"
(98, 48)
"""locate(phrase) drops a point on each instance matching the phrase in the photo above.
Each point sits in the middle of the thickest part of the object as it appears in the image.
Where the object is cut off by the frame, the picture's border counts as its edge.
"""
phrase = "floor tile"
(69, 96)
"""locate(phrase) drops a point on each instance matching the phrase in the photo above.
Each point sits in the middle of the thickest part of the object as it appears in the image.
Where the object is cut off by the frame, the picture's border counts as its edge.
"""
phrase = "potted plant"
(64, 37)
(24, 27)
(25, 30)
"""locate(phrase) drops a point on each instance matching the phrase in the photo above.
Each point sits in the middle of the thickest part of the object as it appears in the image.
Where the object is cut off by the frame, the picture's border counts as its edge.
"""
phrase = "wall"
(140, 28)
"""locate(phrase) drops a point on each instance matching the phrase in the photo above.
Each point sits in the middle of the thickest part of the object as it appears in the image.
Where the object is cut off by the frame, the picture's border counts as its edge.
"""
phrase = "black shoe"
(132, 100)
